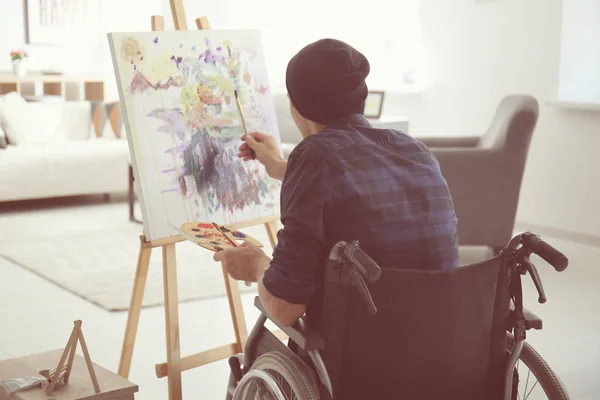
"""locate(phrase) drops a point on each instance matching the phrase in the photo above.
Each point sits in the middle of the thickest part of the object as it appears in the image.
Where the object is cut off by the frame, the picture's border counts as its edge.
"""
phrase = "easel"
(70, 349)
(175, 363)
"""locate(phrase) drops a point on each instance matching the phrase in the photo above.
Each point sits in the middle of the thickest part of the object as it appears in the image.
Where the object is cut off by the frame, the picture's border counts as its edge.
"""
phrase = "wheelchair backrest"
(436, 335)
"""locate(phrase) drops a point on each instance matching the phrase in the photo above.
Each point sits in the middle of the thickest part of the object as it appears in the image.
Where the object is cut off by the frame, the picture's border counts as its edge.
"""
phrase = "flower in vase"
(18, 54)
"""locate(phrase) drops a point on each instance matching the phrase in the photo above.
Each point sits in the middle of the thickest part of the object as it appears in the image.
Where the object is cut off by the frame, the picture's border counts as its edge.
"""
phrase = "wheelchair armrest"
(532, 321)
(306, 338)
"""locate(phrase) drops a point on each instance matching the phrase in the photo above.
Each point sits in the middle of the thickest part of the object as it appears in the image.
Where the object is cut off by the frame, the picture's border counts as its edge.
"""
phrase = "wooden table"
(112, 386)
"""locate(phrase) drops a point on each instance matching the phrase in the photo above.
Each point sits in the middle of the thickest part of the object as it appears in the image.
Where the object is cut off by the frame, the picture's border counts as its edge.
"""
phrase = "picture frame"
(374, 104)
(65, 22)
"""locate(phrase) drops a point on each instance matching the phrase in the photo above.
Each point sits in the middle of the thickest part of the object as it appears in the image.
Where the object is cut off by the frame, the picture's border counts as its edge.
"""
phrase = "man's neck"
(315, 128)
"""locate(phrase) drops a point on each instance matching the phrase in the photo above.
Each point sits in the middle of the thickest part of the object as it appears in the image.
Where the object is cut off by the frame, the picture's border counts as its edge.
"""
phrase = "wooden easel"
(70, 349)
(175, 363)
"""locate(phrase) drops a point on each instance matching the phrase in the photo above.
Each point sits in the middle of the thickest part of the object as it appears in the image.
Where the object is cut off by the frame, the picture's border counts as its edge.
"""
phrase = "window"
(580, 52)
(387, 33)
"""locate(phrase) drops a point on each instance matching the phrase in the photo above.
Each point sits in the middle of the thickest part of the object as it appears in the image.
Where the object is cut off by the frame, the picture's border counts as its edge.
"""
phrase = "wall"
(479, 50)
(117, 15)
(483, 50)
(580, 60)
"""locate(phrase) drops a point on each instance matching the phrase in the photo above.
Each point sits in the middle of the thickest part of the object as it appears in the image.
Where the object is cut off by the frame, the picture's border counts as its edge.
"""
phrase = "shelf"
(33, 78)
(90, 88)
(577, 105)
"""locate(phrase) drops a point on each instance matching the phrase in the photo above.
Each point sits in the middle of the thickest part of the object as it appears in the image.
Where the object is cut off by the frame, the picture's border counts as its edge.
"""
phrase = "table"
(112, 386)
(399, 123)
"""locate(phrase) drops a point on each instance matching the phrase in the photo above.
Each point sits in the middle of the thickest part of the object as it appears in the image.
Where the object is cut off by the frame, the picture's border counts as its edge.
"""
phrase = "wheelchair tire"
(277, 367)
(546, 377)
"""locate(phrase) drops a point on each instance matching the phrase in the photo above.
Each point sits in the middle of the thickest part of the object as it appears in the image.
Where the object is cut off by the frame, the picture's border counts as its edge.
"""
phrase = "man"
(344, 181)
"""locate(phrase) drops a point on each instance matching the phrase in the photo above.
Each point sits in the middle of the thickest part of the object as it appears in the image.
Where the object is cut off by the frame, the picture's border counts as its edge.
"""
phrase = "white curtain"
(387, 33)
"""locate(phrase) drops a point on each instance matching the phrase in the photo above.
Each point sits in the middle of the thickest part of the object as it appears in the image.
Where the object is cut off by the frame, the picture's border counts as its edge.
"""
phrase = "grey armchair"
(484, 173)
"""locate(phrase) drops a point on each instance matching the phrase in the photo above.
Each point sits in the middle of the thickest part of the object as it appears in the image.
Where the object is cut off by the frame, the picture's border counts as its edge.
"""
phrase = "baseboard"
(558, 233)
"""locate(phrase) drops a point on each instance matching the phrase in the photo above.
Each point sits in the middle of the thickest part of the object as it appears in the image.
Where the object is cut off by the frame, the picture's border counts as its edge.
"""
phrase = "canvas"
(184, 127)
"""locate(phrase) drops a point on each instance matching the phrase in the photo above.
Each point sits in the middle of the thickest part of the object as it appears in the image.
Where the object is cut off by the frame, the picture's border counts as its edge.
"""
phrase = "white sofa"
(52, 151)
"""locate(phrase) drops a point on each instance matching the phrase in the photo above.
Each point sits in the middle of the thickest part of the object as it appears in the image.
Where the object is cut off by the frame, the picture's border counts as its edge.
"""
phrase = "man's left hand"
(243, 263)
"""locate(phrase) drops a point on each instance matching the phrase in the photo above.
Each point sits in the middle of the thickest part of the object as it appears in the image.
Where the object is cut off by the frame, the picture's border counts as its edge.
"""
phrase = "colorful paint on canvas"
(184, 128)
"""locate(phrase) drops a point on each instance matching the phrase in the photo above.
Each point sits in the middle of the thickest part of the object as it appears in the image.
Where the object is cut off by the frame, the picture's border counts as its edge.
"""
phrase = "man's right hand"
(267, 152)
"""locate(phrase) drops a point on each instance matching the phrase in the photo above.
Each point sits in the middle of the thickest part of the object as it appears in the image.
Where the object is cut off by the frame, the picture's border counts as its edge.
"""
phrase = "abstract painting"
(184, 127)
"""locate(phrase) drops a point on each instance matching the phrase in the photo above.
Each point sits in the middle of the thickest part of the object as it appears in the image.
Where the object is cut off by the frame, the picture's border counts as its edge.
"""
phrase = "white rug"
(91, 250)
(99, 266)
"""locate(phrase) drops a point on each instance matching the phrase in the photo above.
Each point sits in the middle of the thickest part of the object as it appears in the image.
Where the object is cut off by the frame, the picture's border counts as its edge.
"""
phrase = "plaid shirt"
(354, 182)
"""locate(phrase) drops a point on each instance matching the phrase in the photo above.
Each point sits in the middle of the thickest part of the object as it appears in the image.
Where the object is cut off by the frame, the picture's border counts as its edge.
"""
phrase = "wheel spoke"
(260, 385)
(279, 377)
(536, 382)
(527, 382)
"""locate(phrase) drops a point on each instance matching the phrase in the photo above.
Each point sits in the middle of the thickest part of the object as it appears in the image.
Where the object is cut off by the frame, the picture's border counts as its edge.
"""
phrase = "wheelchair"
(407, 334)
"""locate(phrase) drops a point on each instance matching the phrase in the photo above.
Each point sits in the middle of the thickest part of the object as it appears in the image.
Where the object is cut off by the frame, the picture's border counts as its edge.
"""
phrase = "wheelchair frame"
(261, 340)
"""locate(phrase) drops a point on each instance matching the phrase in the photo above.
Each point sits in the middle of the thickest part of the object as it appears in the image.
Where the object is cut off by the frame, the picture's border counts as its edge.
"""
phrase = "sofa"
(53, 149)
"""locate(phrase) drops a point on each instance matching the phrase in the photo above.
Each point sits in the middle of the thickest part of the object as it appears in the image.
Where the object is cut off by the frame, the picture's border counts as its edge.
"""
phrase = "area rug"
(100, 266)
(91, 250)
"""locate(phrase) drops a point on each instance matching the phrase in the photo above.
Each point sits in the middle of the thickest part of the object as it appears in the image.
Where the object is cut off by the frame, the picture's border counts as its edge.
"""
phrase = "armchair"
(484, 173)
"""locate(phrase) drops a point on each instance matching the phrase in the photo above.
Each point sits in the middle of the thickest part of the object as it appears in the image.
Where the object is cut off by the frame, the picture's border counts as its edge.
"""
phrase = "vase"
(19, 68)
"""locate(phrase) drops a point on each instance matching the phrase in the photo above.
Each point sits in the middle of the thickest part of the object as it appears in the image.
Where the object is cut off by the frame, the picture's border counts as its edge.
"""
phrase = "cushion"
(63, 168)
(28, 123)
(76, 121)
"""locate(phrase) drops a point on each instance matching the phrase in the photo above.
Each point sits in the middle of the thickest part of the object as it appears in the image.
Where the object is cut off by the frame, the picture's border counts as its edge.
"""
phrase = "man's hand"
(244, 263)
(267, 152)
(249, 263)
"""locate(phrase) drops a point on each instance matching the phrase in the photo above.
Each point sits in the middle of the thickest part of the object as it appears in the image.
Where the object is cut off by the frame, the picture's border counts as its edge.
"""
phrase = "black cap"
(326, 80)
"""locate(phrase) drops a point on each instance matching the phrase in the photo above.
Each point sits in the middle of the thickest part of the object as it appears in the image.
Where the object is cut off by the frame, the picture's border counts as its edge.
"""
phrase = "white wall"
(480, 51)
(117, 15)
(483, 50)
(580, 60)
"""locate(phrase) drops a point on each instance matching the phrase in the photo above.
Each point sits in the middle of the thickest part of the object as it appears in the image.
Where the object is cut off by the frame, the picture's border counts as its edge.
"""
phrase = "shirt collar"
(351, 119)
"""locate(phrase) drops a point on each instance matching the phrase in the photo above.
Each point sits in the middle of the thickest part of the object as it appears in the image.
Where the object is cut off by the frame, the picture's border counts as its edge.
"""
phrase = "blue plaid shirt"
(354, 182)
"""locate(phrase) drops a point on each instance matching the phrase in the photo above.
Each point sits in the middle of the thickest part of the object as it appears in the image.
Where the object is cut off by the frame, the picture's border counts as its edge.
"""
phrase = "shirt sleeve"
(293, 271)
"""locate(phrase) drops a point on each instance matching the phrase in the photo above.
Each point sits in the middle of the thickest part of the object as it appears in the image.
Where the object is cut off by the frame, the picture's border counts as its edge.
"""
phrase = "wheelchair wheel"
(536, 379)
(276, 376)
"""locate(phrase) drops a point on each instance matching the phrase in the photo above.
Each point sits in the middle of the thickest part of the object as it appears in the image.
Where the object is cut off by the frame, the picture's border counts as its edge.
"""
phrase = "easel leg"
(172, 321)
(135, 306)
(88, 361)
(272, 229)
(63, 358)
(237, 310)
(72, 350)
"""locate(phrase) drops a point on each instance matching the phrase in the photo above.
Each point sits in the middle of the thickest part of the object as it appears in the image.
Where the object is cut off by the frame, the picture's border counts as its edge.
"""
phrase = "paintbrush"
(239, 106)
(233, 243)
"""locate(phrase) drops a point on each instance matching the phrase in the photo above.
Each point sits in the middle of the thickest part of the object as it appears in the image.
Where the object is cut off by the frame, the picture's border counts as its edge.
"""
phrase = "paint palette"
(215, 237)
